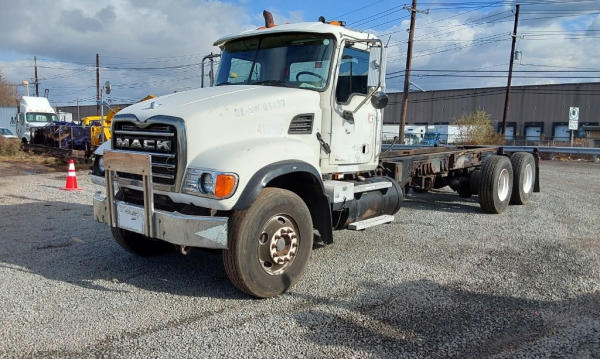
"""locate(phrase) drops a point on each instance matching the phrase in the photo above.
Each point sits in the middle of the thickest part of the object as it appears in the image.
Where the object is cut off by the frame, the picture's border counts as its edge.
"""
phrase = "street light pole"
(26, 83)
(102, 114)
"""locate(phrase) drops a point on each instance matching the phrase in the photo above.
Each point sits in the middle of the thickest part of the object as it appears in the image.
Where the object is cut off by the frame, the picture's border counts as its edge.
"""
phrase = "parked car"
(6, 133)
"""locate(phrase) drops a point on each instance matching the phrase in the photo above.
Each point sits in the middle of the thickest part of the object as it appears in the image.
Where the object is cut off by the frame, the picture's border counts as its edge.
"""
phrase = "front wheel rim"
(503, 185)
(278, 244)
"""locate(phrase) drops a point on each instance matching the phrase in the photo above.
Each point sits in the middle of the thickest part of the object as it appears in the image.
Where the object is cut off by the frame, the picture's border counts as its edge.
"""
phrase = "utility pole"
(411, 35)
(510, 71)
(97, 85)
(37, 84)
(78, 116)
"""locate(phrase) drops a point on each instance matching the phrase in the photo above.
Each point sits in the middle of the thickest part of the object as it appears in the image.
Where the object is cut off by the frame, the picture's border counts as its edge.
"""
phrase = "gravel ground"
(443, 280)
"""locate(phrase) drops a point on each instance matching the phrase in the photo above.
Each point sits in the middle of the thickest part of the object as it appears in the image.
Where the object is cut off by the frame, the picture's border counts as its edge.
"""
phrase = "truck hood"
(216, 117)
(224, 101)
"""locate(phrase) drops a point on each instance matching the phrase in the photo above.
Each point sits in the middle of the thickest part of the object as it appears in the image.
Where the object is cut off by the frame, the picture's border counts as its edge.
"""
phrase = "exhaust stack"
(269, 23)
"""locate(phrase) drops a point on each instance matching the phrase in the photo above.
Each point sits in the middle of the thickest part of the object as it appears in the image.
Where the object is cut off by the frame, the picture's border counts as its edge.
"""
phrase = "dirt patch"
(14, 168)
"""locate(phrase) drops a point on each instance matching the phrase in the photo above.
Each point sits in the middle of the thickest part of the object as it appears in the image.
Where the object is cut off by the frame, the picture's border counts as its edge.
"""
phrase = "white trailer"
(64, 116)
(413, 134)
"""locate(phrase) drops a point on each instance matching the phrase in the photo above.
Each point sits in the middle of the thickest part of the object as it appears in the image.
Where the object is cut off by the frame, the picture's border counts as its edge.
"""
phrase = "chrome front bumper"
(172, 227)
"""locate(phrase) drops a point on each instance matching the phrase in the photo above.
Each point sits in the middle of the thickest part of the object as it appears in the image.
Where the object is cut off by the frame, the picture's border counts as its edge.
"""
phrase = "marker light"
(225, 185)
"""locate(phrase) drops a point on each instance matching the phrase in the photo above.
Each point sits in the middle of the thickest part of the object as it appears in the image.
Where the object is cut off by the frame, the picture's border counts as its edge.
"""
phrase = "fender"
(268, 173)
(106, 146)
(317, 201)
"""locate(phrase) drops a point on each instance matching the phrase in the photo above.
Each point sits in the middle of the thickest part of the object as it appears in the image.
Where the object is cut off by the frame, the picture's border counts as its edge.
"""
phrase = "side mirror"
(374, 73)
(379, 100)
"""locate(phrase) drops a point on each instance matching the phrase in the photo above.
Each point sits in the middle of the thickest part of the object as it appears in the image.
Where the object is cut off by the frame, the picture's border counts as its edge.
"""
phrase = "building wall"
(5, 115)
(85, 110)
(545, 104)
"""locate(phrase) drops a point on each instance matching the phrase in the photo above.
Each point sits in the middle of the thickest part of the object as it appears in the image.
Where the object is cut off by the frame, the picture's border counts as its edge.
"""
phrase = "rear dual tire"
(496, 182)
(523, 165)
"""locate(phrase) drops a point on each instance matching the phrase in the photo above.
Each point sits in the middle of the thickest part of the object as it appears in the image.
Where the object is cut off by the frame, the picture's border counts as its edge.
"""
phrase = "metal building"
(6, 114)
(536, 112)
(85, 110)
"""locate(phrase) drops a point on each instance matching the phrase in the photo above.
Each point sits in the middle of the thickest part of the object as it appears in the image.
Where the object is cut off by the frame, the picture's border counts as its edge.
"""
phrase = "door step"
(367, 187)
(371, 222)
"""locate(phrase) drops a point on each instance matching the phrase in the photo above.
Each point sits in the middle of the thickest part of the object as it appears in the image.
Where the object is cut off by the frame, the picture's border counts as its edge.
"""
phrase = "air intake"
(301, 124)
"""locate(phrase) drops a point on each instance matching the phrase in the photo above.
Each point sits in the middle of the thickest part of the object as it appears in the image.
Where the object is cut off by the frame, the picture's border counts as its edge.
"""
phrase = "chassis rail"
(420, 167)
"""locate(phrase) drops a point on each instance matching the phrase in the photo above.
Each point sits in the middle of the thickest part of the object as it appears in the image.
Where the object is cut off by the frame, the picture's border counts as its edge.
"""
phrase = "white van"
(34, 112)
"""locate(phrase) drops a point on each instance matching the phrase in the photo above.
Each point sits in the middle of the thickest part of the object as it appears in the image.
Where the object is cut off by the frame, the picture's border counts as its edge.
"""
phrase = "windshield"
(430, 136)
(288, 60)
(41, 117)
(5, 131)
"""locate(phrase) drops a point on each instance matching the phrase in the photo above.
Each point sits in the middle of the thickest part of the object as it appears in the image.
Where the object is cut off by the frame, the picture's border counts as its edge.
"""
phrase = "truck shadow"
(61, 241)
(425, 319)
(442, 201)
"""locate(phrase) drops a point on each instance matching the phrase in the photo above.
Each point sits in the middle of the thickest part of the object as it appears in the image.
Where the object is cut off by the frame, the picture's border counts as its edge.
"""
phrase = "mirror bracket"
(348, 116)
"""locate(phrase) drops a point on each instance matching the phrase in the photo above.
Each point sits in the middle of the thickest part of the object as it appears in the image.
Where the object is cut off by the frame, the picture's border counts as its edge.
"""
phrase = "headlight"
(209, 183)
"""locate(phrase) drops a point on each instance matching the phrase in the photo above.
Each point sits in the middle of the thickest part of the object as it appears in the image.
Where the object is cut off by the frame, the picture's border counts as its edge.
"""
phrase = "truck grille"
(158, 140)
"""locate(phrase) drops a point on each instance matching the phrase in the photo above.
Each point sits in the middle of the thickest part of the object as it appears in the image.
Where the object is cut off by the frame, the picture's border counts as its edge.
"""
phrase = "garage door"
(561, 133)
(510, 133)
(533, 133)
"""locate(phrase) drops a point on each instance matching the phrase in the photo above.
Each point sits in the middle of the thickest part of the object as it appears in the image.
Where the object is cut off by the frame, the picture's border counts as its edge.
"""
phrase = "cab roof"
(313, 27)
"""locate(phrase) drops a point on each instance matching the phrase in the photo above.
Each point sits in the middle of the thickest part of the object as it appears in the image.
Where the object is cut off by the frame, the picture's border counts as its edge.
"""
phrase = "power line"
(499, 76)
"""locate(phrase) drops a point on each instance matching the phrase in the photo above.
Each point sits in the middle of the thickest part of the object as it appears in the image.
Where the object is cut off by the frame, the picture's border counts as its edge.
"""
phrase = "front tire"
(269, 243)
(98, 166)
(495, 186)
(523, 165)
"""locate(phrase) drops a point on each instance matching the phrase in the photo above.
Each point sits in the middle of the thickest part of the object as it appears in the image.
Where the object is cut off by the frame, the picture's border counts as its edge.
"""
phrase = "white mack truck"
(284, 149)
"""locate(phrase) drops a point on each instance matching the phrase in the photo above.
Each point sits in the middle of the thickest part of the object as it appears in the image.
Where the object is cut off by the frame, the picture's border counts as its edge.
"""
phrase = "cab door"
(353, 134)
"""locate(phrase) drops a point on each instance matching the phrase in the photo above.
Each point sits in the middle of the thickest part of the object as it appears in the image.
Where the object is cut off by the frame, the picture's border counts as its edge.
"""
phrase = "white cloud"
(66, 35)
(548, 42)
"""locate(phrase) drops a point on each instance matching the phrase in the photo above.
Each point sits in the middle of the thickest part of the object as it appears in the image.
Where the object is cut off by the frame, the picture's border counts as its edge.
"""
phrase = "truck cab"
(33, 112)
(295, 107)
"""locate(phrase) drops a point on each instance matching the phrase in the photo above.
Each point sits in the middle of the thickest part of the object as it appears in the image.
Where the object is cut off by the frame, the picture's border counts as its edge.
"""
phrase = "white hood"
(217, 116)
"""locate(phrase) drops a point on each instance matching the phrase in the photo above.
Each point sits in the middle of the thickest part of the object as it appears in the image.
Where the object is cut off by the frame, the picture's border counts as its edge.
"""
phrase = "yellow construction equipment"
(95, 122)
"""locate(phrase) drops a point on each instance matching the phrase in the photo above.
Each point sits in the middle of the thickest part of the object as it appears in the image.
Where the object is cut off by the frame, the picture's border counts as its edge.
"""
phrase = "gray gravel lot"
(443, 280)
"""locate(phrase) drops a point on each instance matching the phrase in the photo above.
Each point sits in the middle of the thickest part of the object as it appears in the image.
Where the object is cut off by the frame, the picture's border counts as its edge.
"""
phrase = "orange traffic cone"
(71, 179)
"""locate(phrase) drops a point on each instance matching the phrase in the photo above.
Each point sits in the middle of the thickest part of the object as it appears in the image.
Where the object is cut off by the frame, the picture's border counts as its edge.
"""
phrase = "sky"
(154, 46)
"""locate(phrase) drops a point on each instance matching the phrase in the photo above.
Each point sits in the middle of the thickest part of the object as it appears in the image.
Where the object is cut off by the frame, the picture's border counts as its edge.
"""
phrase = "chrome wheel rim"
(278, 244)
(528, 180)
(503, 185)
